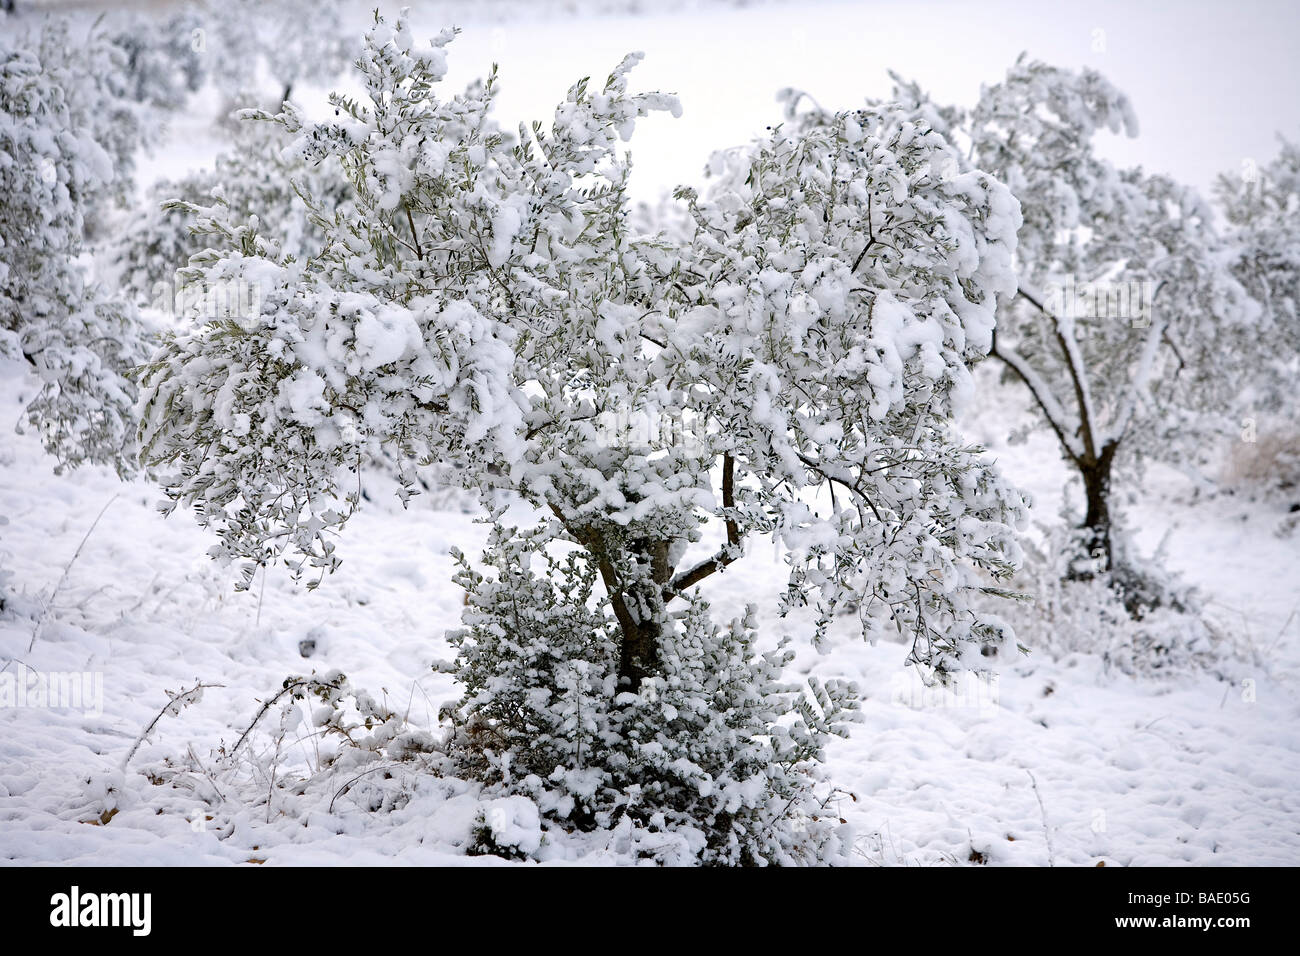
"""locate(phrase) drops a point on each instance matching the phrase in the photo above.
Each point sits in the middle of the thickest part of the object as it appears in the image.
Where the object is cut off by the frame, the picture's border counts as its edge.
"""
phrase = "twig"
(139, 603)
(265, 707)
(207, 774)
(871, 239)
(343, 789)
(270, 787)
(40, 621)
(184, 697)
(1047, 830)
(419, 253)
(731, 551)
(20, 661)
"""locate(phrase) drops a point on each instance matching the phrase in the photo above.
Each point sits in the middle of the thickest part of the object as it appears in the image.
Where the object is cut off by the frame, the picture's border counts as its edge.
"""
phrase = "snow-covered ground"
(1061, 762)
(1055, 762)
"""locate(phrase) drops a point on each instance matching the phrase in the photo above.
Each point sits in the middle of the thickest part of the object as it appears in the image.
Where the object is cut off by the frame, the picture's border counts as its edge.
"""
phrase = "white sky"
(1212, 83)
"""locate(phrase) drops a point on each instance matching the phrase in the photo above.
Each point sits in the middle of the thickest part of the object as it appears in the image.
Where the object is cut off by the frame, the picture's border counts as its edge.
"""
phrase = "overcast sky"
(1211, 82)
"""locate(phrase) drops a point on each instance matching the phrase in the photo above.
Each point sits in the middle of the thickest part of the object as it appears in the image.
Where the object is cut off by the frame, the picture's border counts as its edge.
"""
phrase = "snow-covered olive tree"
(1262, 205)
(252, 177)
(289, 41)
(798, 354)
(164, 56)
(66, 143)
(1127, 329)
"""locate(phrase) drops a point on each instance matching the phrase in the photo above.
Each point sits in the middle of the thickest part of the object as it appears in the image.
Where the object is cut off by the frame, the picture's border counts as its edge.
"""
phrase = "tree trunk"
(1097, 520)
(639, 651)
(639, 608)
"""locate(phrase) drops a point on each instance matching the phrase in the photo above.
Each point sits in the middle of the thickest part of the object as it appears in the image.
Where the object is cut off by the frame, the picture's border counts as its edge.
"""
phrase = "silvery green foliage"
(83, 409)
(840, 284)
(77, 84)
(396, 334)
(1201, 341)
(155, 242)
(1105, 376)
(486, 301)
(1263, 207)
(787, 362)
(1117, 379)
(713, 760)
(253, 178)
(66, 139)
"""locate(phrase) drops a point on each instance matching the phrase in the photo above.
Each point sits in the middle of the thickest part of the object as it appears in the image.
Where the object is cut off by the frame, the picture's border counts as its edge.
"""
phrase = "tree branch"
(855, 488)
(1070, 351)
(729, 552)
(419, 254)
(1141, 376)
(871, 239)
(1038, 388)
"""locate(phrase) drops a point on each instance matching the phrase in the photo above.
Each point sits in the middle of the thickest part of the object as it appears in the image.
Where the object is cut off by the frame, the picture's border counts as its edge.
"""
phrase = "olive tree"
(800, 349)
(67, 138)
(1126, 327)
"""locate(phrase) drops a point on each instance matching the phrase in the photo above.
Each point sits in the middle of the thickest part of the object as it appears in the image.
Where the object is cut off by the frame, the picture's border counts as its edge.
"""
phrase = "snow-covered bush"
(1262, 205)
(256, 177)
(83, 409)
(66, 143)
(484, 302)
(340, 714)
(82, 88)
(155, 241)
(357, 747)
(713, 759)
(1141, 620)
(1268, 464)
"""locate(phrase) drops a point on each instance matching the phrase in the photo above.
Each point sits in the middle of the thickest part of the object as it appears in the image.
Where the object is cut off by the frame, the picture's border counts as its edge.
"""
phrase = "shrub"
(713, 755)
